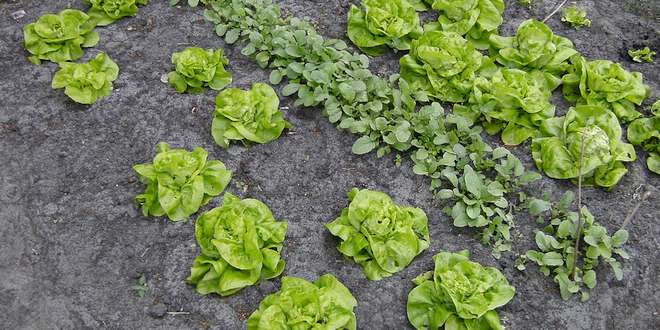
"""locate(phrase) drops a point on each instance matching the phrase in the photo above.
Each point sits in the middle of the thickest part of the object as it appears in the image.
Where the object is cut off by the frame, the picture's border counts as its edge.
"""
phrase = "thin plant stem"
(632, 213)
(579, 227)
(555, 11)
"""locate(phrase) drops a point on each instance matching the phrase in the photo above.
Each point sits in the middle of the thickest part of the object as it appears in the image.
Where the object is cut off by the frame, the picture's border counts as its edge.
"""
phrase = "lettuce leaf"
(379, 235)
(105, 12)
(324, 304)
(645, 132)
(250, 116)
(241, 244)
(196, 68)
(474, 19)
(179, 182)
(557, 153)
(59, 37)
(391, 23)
(514, 102)
(442, 64)
(87, 82)
(605, 84)
(533, 47)
(459, 294)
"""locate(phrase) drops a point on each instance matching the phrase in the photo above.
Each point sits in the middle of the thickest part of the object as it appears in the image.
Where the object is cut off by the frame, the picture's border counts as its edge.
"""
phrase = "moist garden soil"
(72, 243)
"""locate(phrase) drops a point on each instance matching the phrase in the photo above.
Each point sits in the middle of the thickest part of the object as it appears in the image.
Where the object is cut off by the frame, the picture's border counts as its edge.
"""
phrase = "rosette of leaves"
(515, 102)
(105, 12)
(474, 19)
(378, 234)
(642, 55)
(443, 64)
(196, 68)
(87, 82)
(458, 294)
(534, 47)
(241, 244)
(248, 115)
(606, 84)
(324, 304)
(576, 17)
(383, 23)
(587, 142)
(59, 37)
(556, 247)
(645, 132)
(179, 182)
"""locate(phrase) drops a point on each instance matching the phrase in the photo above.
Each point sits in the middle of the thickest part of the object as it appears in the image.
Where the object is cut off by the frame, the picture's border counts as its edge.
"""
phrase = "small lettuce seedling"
(383, 23)
(459, 294)
(87, 82)
(105, 12)
(196, 68)
(575, 17)
(179, 182)
(241, 244)
(324, 304)
(59, 37)
(248, 115)
(642, 55)
(379, 235)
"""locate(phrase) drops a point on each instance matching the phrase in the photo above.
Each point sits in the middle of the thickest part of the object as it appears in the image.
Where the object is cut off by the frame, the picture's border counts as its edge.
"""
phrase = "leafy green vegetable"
(59, 38)
(324, 304)
(442, 64)
(141, 288)
(191, 3)
(641, 55)
(605, 84)
(87, 82)
(515, 102)
(105, 12)
(241, 245)
(253, 115)
(533, 47)
(645, 132)
(380, 235)
(196, 67)
(179, 182)
(459, 294)
(474, 19)
(556, 248)
(392, 23)
(558, 152)
(575, 17)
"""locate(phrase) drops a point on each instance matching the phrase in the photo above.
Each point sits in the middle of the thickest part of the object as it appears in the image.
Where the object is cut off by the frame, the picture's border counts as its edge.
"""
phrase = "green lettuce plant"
(87, 82)
(645, 132)
(534, 46)
(474, 19)
(443, 64)
(587, 135)
(105, 12)
(514, 102)
(324, 304)
(576, 17)
(241, 244)
(248, 115)
(555, 252)
(196, 68)
(59, 37)
(383, 23)
(606, 84)
(191, 3)
(458, 294)
(179, 182)
(642, 55)
(378, 234)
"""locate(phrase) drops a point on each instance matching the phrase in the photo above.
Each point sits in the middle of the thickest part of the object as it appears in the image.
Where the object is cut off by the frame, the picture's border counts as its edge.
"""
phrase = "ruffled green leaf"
(379, 235)
(105, 12)
(179, 182)
(87, 82)
(250, 116)
(196, 68)
(474, 19)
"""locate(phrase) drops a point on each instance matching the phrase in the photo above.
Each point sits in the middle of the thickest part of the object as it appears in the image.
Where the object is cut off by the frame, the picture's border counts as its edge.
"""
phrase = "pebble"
(18, 14)
(157, 311)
